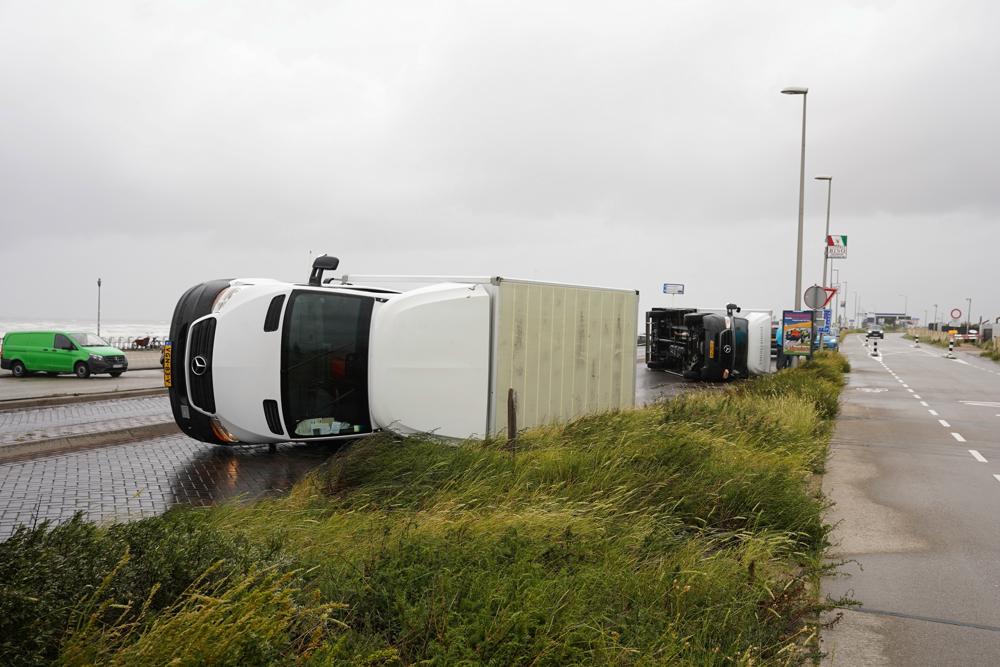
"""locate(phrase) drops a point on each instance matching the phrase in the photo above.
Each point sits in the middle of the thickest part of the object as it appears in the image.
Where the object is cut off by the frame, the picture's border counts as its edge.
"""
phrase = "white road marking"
(944, 423)
(982, 404)
(910, 390)
(979, 457)
(933, 412)
(963, 361)
(916, 396)
(996, 477)
(906, 385)
(957, 436)
(923, 403)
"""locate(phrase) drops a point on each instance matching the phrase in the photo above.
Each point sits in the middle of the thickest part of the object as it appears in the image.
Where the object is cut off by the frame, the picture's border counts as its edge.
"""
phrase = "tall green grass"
(685, 533)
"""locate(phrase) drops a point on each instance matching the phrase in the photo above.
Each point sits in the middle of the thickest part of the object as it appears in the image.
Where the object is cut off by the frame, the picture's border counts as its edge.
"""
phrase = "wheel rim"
(81, 370)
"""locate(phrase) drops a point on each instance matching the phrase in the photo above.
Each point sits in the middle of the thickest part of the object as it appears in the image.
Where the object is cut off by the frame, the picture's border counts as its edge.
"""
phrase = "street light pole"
(826, 258)
(968, 316)
(98, 306)
(935, 315)
(799, 90)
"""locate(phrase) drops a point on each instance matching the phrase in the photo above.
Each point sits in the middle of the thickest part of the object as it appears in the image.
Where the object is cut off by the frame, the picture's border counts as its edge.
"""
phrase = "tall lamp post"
(968, 316)
(826, 259)
(906, 302)
(799, 90)
(98, 306)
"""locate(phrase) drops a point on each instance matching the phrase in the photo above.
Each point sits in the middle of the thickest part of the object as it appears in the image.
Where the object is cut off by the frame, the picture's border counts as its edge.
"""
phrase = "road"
(914, 473)
(146, 477)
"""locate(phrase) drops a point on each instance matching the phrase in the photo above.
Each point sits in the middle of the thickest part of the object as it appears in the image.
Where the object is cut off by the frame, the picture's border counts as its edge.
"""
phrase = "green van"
(55, 352)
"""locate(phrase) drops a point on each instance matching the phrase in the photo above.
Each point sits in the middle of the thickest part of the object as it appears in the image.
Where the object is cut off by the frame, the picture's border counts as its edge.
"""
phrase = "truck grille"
(201, 341)
(115, 359)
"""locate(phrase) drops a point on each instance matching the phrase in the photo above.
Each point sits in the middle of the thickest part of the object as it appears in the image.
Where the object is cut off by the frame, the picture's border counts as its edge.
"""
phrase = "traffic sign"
(956, 313)
(827, 319)
(673, 288)
(815, 297)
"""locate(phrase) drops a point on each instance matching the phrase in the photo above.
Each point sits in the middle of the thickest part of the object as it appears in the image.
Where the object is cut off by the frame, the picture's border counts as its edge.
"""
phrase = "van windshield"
(324, 364)
(89, 340)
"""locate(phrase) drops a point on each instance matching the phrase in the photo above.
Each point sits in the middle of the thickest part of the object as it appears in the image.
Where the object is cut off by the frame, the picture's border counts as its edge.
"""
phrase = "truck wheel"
(115, 374)
(81, 369)
(18, 369)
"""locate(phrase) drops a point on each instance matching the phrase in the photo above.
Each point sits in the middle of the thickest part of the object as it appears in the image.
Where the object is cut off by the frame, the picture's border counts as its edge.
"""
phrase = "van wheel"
(18, 369)
(115, 374)
(81, 369)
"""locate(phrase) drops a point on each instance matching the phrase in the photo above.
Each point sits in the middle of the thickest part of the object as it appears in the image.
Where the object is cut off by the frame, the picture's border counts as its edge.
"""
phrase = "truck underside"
(697, 344)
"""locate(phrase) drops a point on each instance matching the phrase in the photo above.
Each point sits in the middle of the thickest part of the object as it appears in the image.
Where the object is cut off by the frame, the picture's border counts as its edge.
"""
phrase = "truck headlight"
(220, 431)
(96, 357)
(224, 296)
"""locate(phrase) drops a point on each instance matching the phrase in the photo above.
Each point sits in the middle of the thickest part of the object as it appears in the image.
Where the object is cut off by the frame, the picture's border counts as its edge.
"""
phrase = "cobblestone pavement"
(146, 478)
(82, 418)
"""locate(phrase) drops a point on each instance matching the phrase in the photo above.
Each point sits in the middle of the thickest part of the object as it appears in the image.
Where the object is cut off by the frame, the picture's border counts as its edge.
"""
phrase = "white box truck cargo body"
(258, 360)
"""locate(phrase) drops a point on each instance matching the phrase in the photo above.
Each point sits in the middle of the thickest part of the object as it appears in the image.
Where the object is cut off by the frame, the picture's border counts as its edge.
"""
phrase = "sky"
(158, 145)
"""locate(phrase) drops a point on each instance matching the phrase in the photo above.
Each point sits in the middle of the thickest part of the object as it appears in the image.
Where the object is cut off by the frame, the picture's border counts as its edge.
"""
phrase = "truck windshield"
(89, 340)
(324, 364)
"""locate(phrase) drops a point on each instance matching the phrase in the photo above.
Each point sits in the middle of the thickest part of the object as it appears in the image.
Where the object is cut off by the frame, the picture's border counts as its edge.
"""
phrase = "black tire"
(18, 369)
(81, 369)
(115, 374)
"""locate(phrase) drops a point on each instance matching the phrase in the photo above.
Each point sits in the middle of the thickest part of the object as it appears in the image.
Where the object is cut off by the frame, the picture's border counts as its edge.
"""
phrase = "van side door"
(64, 353)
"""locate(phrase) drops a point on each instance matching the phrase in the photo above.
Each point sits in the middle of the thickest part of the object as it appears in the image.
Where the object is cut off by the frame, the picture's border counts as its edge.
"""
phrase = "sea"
(120, 333)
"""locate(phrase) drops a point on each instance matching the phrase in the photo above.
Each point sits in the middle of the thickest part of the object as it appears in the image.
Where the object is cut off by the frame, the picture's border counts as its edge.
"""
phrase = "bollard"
(951, 348)
(875, 347)
(916, 340)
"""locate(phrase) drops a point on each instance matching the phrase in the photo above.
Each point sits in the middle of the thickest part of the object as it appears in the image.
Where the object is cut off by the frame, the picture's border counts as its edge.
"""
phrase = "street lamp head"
(795, 90)
(823, 178)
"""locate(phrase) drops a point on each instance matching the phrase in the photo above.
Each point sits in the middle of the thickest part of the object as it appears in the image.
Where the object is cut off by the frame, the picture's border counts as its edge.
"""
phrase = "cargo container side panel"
(518, 351)
(545, 343)
(581, 338)
(528, 409)
(615, 363)
(557, 355)
(566, 351)
(503, 360)
(571, 297)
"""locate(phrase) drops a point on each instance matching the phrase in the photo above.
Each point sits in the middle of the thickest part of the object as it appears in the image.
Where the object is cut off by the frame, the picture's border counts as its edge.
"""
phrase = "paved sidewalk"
(32, 425)
(141, 479)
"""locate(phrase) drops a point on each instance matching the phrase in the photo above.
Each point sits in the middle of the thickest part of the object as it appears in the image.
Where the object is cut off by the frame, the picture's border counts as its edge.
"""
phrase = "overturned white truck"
(710, 345)
(262, 361)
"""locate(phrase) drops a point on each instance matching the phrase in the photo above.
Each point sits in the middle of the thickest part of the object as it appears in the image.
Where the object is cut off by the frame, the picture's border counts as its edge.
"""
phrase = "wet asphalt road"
(145, 478)
(915, 474)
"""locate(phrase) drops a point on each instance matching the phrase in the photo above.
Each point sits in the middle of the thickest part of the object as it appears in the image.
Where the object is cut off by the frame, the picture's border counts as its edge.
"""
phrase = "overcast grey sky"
(162, 144)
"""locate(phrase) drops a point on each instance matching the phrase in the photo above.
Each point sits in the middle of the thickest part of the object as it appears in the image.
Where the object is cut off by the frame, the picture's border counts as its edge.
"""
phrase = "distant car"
(830, 342)
(876, 332)
(56, 352)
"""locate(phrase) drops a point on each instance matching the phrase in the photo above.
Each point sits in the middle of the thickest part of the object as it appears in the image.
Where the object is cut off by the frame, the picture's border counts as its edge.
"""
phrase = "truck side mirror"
(322, 263)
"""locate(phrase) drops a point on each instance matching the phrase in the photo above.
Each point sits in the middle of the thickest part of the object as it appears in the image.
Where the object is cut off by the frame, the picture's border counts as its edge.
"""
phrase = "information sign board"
(673, 288)
(797, 329)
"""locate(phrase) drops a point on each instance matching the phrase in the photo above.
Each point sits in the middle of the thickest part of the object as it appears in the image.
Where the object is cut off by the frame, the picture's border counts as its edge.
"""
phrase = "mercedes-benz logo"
(727, 349)
(199, 365)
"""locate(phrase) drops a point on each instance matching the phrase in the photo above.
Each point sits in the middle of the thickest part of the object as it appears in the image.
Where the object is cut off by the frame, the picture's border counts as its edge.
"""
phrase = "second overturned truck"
(708, 345)
(259, 361)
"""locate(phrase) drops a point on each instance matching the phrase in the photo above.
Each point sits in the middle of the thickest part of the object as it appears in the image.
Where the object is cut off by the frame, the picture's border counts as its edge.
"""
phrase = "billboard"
(673, 288)
(836, 246)
(797, 328)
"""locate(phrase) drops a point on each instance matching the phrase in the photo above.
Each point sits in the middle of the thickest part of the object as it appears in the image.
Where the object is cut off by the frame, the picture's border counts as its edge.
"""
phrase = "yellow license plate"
(167, 355)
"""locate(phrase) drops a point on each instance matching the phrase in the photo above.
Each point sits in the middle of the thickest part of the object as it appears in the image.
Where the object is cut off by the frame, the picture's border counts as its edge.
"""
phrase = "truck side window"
(63, 343)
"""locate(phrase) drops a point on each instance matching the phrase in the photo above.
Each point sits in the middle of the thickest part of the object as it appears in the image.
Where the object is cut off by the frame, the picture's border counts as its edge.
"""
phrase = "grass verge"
(690, 532)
